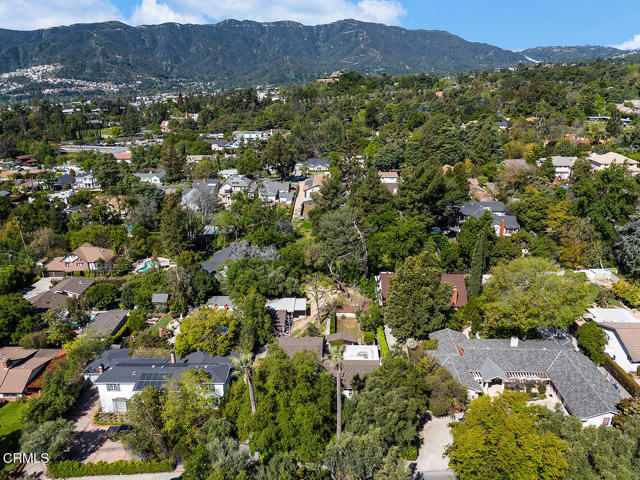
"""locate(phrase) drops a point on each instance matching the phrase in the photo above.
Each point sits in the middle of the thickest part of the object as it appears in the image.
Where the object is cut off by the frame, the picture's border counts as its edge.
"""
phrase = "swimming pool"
(148, 264)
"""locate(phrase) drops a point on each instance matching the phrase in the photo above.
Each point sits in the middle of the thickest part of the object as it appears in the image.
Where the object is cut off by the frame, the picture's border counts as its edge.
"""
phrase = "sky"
(514, 24)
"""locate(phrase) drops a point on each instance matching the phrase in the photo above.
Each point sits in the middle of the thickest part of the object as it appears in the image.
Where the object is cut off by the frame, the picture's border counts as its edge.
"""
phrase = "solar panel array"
(150, 379)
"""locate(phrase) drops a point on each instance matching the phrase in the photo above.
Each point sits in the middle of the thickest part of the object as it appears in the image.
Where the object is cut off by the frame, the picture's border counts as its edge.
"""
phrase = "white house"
(119, 377)
(154, 178)
(605, 160)
(85, 180)
(252, 135)
(623, 335)
(562, 165)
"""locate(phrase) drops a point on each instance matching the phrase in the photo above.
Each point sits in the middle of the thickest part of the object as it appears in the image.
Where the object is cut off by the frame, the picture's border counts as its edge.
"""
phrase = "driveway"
(90, 444)
(434, 438)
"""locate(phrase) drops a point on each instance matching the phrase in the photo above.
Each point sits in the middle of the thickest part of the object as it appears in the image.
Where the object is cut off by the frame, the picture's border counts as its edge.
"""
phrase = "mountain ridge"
(243, 52)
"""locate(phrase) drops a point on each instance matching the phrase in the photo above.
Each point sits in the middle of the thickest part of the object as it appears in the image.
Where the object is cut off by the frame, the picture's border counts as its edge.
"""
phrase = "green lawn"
(10, 427)
(164, 321)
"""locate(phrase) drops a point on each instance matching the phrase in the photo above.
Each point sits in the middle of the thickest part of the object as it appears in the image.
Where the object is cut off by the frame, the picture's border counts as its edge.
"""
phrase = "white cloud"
(631, 44)
(34, 14)
(151, 12)
(309, 12)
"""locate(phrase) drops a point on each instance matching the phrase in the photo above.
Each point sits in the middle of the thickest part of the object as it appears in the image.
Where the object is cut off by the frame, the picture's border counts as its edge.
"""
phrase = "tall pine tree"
(478, 261)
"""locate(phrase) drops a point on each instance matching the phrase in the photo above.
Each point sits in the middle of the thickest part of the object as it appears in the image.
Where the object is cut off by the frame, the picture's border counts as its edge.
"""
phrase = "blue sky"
(514, 24)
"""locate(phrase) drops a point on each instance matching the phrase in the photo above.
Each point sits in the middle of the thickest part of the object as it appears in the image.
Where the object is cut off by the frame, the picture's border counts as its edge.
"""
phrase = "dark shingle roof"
(585, 391)
(155, 372)
(476, 209)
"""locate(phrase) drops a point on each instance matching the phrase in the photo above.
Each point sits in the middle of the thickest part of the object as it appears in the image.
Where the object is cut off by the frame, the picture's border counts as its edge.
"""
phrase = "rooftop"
(293, 345)
(585, 391)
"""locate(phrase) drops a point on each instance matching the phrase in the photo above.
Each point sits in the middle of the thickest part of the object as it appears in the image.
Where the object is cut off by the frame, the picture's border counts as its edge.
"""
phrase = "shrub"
(430, 344)
(542, 389)
(382, 340)
(71, 468)
(368, 337)
(334, 320)
(592, 340)
(628, 292)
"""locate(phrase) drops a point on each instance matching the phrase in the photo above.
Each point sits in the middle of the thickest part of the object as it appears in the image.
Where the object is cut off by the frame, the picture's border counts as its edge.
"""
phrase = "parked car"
(115, 433)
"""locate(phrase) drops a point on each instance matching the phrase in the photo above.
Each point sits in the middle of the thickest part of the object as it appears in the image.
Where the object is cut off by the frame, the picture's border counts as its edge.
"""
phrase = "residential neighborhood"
(354, 277)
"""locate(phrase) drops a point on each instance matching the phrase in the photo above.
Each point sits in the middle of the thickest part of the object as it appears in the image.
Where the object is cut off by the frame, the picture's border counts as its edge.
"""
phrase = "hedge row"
(382, 340)
(71, 468)
(98, 415)
(334, 323)
(623, 377)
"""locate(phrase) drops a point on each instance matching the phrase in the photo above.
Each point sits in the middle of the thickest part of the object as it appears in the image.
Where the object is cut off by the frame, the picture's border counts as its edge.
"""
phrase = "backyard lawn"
(346, 324)
(10, 427)
(164, 321)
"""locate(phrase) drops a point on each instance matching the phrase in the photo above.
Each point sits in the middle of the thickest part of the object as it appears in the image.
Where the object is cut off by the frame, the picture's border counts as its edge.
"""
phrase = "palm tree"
(335, 355)
(244, 368)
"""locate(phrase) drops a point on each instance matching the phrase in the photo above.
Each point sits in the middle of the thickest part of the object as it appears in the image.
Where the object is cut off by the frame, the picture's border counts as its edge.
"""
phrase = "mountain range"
(232, 53)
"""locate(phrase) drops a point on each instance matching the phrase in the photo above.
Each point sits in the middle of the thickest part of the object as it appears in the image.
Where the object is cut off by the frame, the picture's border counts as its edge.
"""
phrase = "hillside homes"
(605, 160)
(21, 370)
(623, 335)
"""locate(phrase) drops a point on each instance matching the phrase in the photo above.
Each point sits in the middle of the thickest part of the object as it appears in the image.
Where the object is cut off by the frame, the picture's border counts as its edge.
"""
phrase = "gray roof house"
(159, 298)
(312, 165)
(218, 260)
(108, 323)
(503, 224)
(485, 366)
(119, 377)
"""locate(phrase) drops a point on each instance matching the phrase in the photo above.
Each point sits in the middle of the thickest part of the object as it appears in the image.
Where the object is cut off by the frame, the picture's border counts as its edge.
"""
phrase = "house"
(487, 366)
(217, 262)
(600, 276)
(123, 156)
(21, 370)
(108, 323)
(275, 192)
(293, 345)
(357, 361)
(217, 144)
(85, 180)
(562, 165)
(389, 177)
(312, 165)
(63, 181)
(220, 301)
(629, 107)
(251, 136)
(154, 178)
(60, 293)
(623, 335)
(503, 224)
(119, 377)
(85, 257)
(285, 310)
(206, 186)
(312, 185)
(233, 185)
(602, 161)
(159, 299)
(458, 299)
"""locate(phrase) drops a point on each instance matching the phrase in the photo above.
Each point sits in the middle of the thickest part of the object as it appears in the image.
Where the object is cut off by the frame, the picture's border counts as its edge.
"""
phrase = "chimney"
(501, 228)
(173, 357)
(100, 368)
(5, 362)
(514, 342)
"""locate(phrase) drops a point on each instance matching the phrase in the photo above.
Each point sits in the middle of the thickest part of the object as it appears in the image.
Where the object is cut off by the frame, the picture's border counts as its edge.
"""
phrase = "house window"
(119, 406)
(113, 387)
